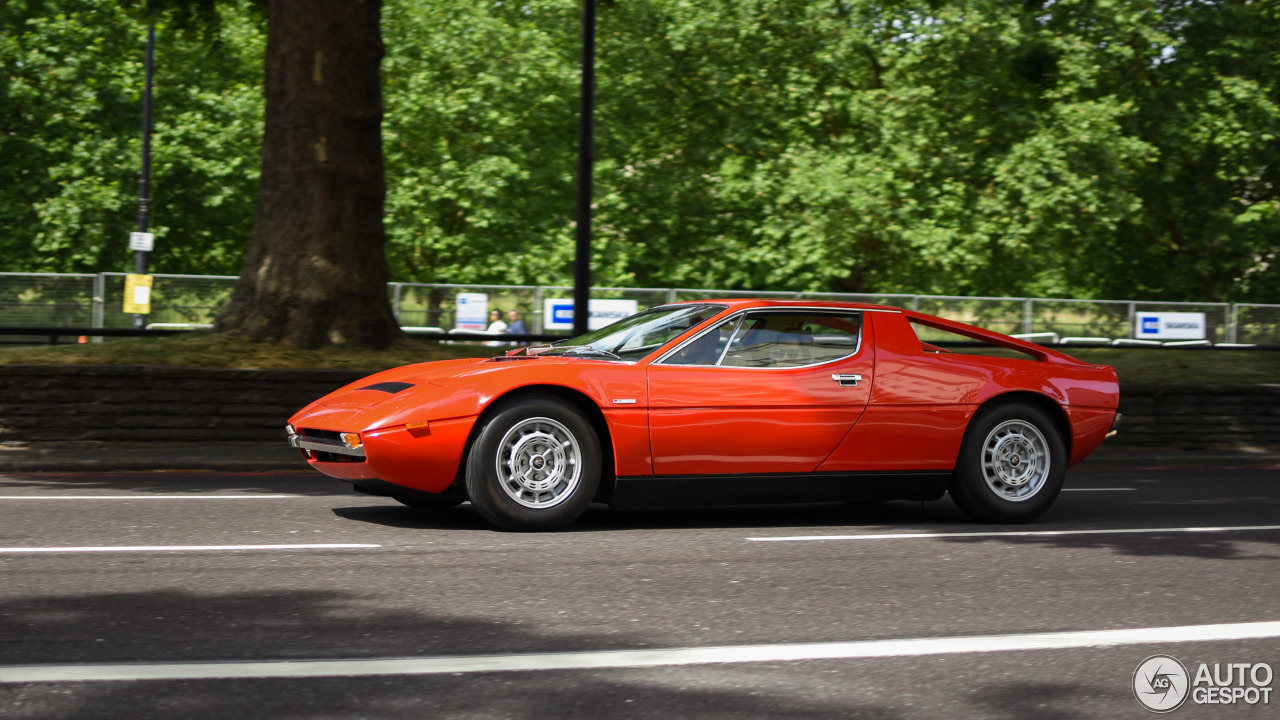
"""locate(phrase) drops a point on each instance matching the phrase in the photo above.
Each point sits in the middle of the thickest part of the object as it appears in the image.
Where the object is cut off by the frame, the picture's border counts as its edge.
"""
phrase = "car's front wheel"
(1011, 465)
(534, 465)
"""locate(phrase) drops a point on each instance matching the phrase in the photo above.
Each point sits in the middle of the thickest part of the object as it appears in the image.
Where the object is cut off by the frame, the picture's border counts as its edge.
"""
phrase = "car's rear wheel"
(1011, 465)
(534, 465)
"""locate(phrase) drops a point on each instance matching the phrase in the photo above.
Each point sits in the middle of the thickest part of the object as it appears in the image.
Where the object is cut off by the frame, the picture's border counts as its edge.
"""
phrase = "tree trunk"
(316, 268)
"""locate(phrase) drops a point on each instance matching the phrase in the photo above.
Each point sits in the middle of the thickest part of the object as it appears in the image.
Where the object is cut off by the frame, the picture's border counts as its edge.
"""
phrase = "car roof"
(744, 303)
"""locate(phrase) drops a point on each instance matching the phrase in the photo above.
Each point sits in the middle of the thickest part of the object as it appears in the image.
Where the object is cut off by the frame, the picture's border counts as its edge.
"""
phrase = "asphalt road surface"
(187, 595)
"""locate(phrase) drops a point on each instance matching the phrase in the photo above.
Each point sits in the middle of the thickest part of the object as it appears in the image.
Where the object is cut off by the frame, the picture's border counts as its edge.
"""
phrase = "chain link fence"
(96, 300)
(47, 300)
(1256, 323)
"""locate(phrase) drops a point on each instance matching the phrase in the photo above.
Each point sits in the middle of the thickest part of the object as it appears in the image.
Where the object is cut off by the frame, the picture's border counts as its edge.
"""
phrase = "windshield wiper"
(583, 350)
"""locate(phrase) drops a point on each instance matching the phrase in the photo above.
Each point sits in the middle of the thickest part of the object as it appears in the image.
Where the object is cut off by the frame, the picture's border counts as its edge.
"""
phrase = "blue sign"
(562, 314)
(1150, 325)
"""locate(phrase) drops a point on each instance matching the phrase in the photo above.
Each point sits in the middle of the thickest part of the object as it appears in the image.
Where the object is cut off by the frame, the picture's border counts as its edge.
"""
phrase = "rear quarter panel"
(921, 403)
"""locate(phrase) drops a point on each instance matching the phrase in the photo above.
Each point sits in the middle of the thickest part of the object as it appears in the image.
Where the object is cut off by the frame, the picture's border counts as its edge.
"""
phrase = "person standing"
(496, 327)
(515, 326)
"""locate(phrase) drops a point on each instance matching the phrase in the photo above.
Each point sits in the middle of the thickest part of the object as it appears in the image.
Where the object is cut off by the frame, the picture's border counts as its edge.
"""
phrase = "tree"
(315, 271)
(316, 268)
(1083, 148)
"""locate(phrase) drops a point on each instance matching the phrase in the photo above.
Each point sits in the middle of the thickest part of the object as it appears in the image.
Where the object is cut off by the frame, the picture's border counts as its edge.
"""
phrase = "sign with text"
(137, 294)
(1169, 326)
(145, 242)
(558, 313)
(472, 311)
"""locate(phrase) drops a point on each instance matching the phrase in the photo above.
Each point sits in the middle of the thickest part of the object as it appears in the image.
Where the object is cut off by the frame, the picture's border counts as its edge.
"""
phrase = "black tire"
(1011, 465)
(534, 465)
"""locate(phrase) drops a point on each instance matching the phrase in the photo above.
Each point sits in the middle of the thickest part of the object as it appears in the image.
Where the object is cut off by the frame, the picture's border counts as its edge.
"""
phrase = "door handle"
(846, 380)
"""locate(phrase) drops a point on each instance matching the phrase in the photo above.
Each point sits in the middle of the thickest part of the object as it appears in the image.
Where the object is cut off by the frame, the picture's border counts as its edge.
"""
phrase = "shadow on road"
(181, 626)
(184, 626)
(600, 518)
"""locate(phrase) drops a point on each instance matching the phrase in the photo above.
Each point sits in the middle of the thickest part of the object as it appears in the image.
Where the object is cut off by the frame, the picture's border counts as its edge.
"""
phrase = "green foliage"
(479, 140)
(70, 139)
(1089, 148)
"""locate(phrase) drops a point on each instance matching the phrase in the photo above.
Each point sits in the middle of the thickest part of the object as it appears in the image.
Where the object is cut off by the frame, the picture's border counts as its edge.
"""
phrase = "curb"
(105, 466)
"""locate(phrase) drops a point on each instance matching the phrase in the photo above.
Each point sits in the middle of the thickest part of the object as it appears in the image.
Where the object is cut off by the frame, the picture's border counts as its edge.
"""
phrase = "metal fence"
(95, 301)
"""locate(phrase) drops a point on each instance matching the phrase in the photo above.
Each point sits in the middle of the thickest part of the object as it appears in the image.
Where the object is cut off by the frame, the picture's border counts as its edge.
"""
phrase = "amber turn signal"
(351, 440)
(417, 425)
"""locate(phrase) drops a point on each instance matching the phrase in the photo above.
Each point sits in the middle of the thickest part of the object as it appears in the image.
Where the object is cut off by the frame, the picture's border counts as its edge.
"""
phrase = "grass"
(207, 350)
(1177, 367)
(204, 350)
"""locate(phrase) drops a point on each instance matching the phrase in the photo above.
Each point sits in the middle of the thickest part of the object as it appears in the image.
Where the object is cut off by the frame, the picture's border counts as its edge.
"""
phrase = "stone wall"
(1200, 416)
(149, 404)
(42, 403)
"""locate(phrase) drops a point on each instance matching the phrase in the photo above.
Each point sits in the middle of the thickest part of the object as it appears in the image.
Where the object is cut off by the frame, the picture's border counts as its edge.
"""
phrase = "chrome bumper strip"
(324, 445)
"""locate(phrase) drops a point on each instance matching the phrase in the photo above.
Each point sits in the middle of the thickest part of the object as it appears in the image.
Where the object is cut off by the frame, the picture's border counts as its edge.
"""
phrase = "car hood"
(399, 383)
(458, 388)
(384, 386)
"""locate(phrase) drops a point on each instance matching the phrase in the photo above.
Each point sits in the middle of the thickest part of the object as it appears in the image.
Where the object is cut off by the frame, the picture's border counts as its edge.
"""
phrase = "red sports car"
(723, 402)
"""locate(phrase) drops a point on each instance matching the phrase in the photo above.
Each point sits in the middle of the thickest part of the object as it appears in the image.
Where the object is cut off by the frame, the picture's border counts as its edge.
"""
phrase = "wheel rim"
(1015, 460)
(539, 463)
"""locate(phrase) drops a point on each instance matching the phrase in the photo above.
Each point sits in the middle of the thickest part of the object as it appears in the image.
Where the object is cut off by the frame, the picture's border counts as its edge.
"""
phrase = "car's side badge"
(628, 401)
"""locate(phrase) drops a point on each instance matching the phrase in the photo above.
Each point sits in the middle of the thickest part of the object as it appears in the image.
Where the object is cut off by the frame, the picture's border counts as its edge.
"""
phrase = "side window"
(963, 344)
(793, 339)
(705, 350)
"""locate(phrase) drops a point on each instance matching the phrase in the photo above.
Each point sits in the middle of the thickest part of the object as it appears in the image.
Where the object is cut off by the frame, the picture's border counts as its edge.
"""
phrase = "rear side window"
(940, 340)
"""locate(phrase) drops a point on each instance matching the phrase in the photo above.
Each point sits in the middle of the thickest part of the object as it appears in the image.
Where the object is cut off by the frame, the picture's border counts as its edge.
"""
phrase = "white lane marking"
(181, 548)
(1017, 533)
(144, 497)
(1096, 489)
(634, 658)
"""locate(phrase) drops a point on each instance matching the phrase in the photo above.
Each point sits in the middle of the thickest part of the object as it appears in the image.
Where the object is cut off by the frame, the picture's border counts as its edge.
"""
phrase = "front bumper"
(420, 458)
(320, 444)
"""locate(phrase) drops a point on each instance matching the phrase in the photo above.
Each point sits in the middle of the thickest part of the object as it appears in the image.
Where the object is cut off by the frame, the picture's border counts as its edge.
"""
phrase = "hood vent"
(389, 387)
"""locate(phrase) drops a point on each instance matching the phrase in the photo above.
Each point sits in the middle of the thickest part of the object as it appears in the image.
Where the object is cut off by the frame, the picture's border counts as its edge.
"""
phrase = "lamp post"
(140, 257)
(586, 150)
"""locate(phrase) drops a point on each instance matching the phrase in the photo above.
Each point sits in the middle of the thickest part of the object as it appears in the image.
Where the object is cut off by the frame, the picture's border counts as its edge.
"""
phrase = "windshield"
(634, 337)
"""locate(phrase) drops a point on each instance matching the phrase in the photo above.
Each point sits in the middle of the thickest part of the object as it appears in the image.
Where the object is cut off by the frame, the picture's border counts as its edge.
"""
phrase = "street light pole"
(586, 150)
(141, 257)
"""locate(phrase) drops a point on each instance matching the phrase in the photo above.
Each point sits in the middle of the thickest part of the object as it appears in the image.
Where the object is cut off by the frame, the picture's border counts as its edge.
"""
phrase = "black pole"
(140, 257)
(586, 124)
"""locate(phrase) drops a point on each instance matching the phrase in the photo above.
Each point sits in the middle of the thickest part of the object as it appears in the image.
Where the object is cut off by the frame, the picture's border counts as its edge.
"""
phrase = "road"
(145, 574)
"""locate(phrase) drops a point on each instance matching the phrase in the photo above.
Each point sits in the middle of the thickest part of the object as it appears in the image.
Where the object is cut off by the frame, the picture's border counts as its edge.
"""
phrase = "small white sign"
(142, 241)
(472, 311)
(1169, 326)
(142, 295)
(558, 313)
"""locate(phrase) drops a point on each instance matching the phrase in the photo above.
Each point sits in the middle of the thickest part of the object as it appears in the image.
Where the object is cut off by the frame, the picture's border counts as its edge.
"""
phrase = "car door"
(764, 391)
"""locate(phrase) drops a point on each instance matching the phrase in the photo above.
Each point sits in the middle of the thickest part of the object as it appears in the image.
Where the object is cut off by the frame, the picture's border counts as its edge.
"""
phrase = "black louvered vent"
(388, 387)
